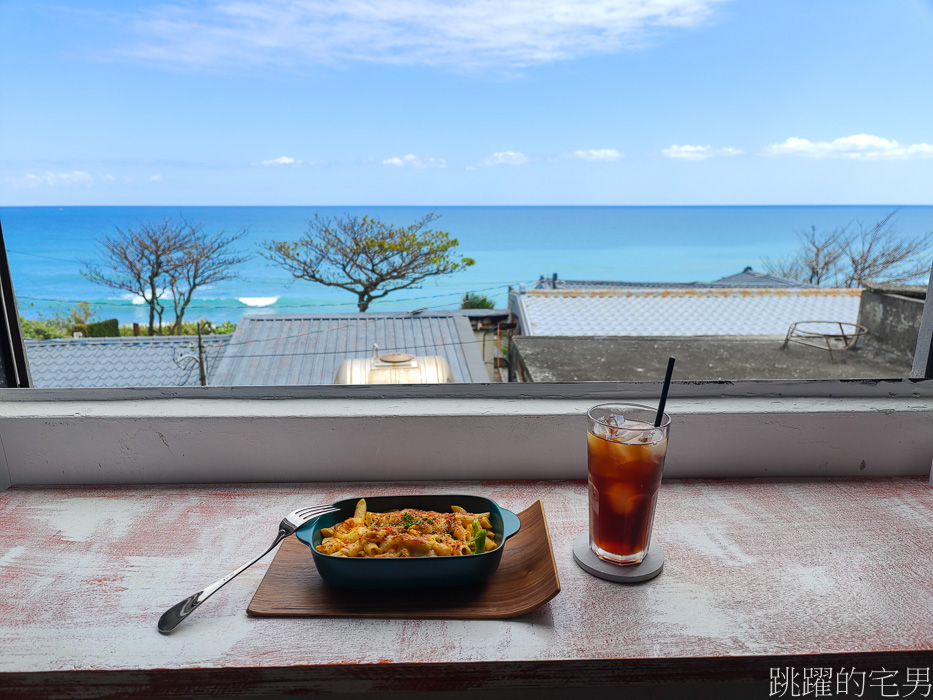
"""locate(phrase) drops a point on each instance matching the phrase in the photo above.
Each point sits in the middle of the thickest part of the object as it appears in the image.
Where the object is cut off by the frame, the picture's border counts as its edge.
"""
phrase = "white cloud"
(415, 162)
(686, 152)
(282, 160)
(461, 33)
(505, 158)
(856, 147)
(156, 178)
(609, 154)
(50, 179)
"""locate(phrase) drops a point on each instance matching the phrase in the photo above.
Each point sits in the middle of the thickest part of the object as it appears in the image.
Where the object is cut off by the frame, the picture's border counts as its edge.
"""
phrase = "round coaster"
(649, 567)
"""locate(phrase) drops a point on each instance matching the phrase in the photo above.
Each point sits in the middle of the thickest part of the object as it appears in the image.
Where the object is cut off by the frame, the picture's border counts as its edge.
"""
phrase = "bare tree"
(877, 253)
(816, 263)
(789, 267)
(845, 258)
(367, 257)
(205, 259)
(138, 261)
(167, 256)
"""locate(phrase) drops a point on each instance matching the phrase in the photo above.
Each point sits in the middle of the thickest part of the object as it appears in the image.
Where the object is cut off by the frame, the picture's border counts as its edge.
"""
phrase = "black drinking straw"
(664, 390)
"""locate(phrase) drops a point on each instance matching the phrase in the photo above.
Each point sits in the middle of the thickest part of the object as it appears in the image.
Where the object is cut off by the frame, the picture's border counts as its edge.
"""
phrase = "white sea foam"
(137, 300)
(258, 301)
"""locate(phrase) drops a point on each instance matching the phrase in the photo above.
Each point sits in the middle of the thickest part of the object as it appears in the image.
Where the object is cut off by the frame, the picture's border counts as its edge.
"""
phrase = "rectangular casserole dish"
(389, 573)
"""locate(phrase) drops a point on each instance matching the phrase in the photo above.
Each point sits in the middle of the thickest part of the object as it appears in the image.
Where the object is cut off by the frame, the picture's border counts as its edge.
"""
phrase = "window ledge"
(327, 433)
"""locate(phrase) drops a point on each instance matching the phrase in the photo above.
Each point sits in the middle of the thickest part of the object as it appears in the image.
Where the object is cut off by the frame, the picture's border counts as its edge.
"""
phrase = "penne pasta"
(360, 512)
(409, 533)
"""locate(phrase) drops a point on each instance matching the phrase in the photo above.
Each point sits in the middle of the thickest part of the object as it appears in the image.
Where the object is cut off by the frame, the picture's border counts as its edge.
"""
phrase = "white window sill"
(263, 434)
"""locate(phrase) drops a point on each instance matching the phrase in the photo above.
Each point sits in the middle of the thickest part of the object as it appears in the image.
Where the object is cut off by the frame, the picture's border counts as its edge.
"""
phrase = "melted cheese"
(405, 533)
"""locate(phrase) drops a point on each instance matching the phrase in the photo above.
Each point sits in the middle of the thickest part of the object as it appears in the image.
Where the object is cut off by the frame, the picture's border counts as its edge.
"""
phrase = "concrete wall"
(892, 320)
(486, 342)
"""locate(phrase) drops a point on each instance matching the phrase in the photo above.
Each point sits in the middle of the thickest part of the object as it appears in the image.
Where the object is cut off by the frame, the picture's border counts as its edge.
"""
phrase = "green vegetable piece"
(479, 542)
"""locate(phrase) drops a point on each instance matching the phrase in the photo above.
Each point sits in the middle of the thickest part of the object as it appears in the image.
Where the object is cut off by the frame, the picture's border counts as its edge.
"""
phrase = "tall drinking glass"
(625, 459)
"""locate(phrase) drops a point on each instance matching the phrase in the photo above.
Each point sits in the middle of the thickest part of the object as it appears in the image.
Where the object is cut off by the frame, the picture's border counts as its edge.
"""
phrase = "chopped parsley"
(409, 520)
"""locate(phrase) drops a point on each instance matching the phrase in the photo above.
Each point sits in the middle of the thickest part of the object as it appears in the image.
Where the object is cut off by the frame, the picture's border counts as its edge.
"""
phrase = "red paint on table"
(754, 568)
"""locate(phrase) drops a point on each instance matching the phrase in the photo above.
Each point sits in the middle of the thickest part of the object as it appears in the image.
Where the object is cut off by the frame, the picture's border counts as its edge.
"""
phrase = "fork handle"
(172, 617)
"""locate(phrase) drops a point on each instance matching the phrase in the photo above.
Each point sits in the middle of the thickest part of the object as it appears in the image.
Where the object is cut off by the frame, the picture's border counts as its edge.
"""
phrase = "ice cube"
(603, 431)
(628, 437)
(658, 448)
(615, 421)
(621, 497)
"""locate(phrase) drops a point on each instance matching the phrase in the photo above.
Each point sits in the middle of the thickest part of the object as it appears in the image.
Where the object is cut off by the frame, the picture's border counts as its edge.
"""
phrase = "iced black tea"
(625, 458)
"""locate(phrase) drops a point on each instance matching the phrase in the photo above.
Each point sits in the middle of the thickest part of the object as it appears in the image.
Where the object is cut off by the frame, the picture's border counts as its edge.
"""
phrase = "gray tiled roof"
(679, 312)
(308, 349)
(114, 362)
(746, 279)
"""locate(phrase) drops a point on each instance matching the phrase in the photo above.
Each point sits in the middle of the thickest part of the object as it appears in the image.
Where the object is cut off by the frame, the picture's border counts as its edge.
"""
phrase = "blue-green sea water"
(511, 246)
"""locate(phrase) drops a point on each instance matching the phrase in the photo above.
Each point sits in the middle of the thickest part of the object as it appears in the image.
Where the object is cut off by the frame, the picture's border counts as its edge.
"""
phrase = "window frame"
(923, 355)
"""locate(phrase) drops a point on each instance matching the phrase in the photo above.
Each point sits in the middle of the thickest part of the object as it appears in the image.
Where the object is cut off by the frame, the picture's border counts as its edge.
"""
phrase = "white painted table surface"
(754, 567)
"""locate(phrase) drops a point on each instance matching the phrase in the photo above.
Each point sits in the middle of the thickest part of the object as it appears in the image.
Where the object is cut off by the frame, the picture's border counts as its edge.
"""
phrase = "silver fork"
(174, 615)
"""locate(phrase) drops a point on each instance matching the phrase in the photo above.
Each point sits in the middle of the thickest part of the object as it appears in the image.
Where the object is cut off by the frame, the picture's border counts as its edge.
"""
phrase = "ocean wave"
(134, 299)
(258, 301)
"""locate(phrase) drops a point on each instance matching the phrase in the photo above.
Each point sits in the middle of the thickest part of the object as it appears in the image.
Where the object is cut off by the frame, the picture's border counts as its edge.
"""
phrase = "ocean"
(511, 246)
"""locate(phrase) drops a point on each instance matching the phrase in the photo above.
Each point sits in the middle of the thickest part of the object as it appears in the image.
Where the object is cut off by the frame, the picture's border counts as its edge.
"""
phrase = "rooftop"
(564, 359)
(115, 362)
(914, 291)
(745, 279)
(308, 349)
(679, 312)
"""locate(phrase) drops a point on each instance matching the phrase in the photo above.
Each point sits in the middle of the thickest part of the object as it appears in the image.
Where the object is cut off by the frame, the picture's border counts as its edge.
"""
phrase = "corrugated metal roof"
(114, 362)
(273, 350)
(679, 312)
(746, 279)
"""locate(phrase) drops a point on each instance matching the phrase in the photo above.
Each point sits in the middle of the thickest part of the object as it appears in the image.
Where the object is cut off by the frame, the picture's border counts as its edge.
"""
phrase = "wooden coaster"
(649, 567)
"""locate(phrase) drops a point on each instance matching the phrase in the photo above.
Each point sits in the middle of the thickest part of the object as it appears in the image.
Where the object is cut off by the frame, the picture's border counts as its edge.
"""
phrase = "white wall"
(215, 436)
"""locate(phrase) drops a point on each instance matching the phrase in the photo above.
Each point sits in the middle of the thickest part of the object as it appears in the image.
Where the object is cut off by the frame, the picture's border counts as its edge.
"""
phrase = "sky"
(466, 102)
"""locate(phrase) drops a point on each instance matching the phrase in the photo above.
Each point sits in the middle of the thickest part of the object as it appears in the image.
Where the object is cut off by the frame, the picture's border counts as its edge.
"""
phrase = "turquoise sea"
(511, 246)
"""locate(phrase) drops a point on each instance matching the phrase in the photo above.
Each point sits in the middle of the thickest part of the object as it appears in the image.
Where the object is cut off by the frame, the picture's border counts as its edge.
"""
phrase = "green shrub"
(42, 329)
(207, 328)
(60, 324)
(472, 300)
(82, 313)
(102, 329)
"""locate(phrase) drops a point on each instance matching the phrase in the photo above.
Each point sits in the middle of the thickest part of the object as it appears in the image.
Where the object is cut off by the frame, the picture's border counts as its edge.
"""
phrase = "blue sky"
(612, 102)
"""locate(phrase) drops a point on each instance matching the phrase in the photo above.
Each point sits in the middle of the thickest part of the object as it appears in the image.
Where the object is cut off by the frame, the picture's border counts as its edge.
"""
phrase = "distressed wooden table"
(760, 574)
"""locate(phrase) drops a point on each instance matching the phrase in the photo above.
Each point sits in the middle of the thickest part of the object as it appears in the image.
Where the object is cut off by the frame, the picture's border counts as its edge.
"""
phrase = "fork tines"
(313, 512)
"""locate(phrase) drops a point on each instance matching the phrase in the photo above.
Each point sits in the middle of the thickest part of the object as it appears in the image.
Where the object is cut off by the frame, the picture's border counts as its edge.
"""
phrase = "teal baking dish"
(412, 572)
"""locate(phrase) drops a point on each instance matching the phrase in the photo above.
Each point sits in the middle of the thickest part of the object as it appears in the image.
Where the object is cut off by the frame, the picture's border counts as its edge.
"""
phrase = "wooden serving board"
(526, 578)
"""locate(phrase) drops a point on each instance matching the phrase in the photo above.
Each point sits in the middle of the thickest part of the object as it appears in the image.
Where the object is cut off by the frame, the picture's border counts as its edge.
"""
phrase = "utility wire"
(39, 255)
(111, 302)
